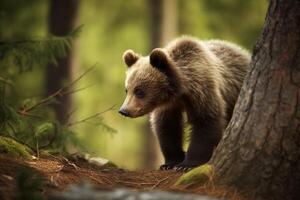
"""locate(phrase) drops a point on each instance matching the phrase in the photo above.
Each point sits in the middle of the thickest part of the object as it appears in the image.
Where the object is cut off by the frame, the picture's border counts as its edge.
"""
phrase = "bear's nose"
(123, 112)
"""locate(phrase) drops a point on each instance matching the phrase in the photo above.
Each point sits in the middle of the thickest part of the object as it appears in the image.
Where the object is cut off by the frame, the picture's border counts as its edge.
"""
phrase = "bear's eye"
(126, 91)
(139, 93)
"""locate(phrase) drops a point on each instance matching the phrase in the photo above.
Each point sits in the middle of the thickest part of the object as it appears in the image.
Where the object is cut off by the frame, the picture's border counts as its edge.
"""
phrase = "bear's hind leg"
(167, 124)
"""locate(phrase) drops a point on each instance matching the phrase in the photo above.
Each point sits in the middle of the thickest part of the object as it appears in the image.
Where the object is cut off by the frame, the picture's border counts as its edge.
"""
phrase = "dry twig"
(70, 163)
(159, 182)
(89, 117)
(60, 92)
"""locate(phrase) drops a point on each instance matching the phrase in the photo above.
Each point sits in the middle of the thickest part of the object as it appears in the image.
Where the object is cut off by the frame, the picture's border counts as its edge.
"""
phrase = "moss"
(110, 164)
(199, 175)
(13, 148)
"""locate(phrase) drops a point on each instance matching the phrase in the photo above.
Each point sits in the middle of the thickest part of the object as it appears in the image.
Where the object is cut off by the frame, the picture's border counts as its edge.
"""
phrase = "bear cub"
(201, 78)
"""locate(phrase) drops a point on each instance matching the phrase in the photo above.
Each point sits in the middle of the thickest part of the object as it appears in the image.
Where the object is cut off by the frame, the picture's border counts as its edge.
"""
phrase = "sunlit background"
(109, 28)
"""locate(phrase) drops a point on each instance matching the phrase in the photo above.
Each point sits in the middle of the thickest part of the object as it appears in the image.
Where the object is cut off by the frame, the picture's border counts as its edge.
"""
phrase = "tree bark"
(62, 20)
(260, 150)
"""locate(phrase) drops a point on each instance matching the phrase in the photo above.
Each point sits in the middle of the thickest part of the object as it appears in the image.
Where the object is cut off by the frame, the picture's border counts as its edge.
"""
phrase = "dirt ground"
(58, 173)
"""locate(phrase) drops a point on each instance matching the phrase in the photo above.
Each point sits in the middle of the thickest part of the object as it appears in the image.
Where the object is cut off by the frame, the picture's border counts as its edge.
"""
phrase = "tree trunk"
(163, 28)
(155, 25)
(62, 19)
(151, 147)
(260, 149)
(169, 21)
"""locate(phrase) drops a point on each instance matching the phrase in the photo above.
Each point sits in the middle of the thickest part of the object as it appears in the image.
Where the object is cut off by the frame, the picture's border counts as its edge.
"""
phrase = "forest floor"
(58, 173)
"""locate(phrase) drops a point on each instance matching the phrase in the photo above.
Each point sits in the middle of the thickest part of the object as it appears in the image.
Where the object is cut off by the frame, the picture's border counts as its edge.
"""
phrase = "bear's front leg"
(206, 133)
(167, 124)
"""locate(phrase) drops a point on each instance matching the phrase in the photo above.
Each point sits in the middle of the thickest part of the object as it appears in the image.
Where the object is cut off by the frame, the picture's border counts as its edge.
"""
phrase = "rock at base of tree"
(86, 191)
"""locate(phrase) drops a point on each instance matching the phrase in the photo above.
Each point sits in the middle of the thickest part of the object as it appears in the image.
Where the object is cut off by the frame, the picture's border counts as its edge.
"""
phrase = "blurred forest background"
(109, 28)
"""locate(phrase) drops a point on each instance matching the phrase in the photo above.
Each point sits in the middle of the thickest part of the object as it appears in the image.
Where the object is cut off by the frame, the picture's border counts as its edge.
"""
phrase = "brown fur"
(202, 78)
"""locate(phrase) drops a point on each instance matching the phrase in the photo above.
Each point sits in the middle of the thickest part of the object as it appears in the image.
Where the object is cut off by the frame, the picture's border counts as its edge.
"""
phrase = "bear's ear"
(130, 57)
(159, 59)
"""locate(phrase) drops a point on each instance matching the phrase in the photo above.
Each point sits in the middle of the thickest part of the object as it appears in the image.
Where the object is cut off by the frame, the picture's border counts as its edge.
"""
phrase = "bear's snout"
(124, 112)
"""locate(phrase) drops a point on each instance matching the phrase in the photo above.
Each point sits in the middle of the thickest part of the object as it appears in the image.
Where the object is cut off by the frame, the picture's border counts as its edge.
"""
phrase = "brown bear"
(201, 78)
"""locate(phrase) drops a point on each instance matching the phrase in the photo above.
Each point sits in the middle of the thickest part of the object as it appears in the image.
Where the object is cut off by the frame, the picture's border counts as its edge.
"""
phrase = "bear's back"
(214, 58)
(233, 57)
(235, 66)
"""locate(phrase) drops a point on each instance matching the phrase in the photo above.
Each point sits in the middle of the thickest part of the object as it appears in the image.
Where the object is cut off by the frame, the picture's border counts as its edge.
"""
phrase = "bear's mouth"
(138, 113)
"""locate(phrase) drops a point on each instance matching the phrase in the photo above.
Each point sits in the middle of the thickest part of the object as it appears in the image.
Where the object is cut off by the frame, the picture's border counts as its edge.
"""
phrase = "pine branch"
(52, 139)
(89, 117)
(60, 92)
(5, 81)
(24, 111)
(78, 89)
(25, 53)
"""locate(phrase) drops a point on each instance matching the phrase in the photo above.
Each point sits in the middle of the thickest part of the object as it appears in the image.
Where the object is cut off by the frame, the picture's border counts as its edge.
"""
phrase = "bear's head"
(151, 81)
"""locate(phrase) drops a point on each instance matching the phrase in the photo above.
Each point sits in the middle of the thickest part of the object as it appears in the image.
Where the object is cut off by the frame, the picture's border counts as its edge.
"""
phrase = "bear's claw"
(183, 168)
(166, 167)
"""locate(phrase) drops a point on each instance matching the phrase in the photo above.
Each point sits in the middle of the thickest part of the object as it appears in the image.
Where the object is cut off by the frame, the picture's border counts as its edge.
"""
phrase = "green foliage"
(63, 137)
(13, 148)
(28, 52)
(199, 175)
(8, 114)
(29, 185)
(31, 120)
(44, 129)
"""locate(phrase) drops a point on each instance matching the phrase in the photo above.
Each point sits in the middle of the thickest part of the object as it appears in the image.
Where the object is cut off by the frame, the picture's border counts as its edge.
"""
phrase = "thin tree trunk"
(151, 147)
(163, 28)
(62, 20)
(260, 149)
(169, 21)
(156, 13)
